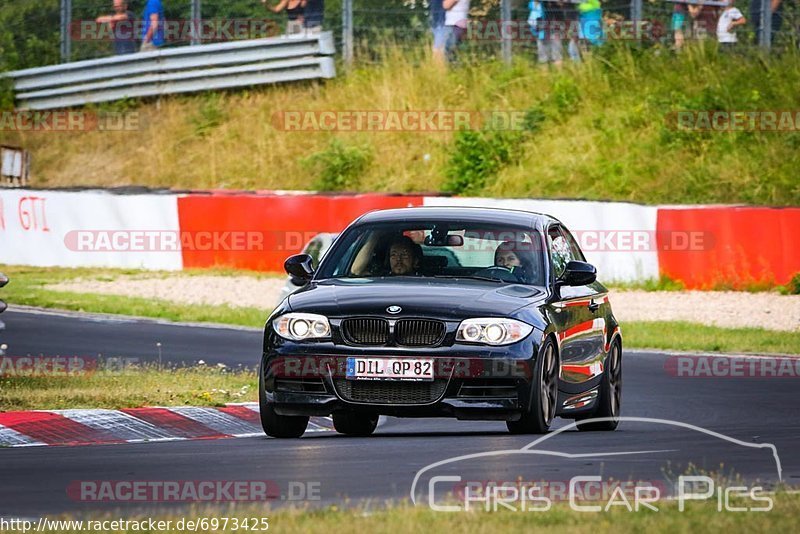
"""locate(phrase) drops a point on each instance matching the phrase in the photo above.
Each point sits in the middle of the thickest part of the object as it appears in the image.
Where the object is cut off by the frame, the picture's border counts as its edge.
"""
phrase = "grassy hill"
(595, 130)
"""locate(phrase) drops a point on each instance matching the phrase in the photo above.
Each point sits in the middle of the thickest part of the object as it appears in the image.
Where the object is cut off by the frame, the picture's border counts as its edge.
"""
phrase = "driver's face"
(506, 258)
(401, 259)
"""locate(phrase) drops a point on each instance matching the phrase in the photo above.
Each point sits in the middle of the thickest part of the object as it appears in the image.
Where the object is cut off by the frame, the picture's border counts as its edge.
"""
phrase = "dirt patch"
(236, 291)
(727, 309)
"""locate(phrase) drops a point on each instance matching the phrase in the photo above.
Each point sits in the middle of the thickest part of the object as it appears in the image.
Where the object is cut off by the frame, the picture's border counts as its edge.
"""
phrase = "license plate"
(389, 369)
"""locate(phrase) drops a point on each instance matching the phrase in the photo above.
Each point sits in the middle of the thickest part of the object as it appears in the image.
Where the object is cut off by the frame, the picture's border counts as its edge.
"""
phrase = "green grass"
(382, 518)
(597, 130)
(130, 387)
(677, 335)
(26, 287)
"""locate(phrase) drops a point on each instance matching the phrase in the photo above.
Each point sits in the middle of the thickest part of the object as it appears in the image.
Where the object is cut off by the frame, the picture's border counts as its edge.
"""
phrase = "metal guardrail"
(176, 70)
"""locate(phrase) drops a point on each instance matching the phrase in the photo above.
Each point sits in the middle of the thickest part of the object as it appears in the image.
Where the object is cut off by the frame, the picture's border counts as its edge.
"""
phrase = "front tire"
(275, 425)
(542, 408)
(355, 424)
(610, 398)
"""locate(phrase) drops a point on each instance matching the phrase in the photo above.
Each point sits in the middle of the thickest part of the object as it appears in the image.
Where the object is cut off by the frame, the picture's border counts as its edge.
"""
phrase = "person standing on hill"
(153, 28)
(455, 23)
(546, 27)
(437, 28)
(704, 20)
(121, 23)
(294, 13)
(776, 7)
(313, 14)
(730, 18)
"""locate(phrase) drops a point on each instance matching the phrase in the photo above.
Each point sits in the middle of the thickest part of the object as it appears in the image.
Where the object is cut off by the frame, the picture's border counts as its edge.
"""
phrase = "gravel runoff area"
(729, 309)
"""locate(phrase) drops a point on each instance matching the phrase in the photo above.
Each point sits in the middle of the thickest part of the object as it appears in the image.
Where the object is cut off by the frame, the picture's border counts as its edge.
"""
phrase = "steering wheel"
(500, 273)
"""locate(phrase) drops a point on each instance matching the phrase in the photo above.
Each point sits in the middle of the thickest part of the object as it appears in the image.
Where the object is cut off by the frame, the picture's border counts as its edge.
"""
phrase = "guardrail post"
(505, 25)
(765, 24)
(347, 31)
(636, 10)
(197, 14)
(66, 38)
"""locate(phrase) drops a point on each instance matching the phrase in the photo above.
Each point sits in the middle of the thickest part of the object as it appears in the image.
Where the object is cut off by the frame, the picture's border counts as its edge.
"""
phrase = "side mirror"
(300, 268)
(578, 273)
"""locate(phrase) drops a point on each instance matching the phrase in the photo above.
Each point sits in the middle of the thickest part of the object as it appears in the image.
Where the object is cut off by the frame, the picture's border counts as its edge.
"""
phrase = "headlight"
(492, 331)
(300, 326)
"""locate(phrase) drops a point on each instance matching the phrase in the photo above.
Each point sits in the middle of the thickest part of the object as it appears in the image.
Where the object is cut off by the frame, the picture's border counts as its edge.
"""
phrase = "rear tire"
(275, 425)
(610, 399)
(544, 394)
(355, 424)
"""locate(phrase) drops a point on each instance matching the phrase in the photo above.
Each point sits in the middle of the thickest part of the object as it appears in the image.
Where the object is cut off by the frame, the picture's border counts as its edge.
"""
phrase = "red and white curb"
(134, 425)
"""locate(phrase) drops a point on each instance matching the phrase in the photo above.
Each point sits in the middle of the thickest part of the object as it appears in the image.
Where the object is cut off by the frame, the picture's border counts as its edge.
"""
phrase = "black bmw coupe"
(473, 313)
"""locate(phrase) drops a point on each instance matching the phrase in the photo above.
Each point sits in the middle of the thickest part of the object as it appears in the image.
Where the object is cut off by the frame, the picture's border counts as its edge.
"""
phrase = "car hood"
(441, 298)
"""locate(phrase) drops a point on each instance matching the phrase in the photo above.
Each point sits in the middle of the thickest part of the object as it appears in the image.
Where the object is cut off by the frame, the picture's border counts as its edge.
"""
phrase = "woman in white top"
(455, 23)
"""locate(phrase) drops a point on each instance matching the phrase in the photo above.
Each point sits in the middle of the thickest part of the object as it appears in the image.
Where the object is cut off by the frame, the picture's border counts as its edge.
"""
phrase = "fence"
(360, 27)
(179, 70)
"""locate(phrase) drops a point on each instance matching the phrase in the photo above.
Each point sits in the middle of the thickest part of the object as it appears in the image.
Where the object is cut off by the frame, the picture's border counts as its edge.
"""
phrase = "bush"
(793, 287)
(479, 155)
(339, 167)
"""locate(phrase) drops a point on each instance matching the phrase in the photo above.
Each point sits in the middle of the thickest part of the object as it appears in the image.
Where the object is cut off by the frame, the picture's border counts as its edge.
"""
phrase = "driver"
(405, 256)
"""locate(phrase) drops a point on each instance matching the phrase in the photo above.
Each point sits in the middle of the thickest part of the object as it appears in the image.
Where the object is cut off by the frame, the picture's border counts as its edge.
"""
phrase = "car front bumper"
(470, 381)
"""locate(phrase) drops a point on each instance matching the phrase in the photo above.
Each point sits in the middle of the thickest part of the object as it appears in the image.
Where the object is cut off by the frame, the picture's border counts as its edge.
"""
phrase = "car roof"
(461, 213)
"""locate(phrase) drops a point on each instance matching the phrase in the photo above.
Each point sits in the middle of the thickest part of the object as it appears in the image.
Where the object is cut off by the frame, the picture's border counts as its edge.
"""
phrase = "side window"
(560, 250)
(312, 249)
(577, 254)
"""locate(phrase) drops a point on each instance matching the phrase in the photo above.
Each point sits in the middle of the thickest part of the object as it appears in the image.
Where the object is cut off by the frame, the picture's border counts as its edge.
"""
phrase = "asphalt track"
(33, 481)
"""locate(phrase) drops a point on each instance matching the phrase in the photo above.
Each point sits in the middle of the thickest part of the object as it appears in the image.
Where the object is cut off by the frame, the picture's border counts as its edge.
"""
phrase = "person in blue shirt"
(153, 27)
(547, 29)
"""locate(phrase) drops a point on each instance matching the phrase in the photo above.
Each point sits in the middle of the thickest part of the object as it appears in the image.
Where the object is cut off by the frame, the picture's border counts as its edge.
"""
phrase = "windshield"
(495, 253)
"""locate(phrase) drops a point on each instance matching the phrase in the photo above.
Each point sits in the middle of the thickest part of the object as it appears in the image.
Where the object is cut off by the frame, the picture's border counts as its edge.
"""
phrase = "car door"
(576, 314)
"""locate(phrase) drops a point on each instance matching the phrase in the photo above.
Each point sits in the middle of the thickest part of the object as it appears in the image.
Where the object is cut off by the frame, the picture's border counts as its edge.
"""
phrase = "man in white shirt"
(729, 19)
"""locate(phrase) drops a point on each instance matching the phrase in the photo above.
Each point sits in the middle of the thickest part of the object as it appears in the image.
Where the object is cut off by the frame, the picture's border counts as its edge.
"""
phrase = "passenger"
(405, 256)
(517, 257)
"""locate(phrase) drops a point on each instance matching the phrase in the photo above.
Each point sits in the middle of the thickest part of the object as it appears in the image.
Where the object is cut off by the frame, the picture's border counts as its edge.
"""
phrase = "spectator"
(570, 15)
(704, 20)
(294, 12)
(543, 22)
(730, 18)
(591, 22)
(455, 25)
(437, 28)
(777, 17)
(121, 23)
(678, 23)
(313, 14)
(153, 28)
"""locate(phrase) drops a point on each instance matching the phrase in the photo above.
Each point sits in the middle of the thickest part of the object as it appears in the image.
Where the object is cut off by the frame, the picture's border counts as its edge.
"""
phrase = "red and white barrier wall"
(702, 246)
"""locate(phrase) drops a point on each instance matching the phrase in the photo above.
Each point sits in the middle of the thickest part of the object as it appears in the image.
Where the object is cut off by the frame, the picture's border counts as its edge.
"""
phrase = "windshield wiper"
(470, 277)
